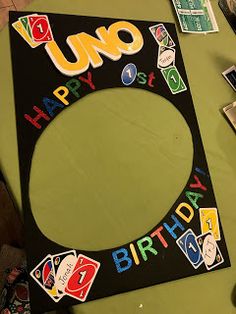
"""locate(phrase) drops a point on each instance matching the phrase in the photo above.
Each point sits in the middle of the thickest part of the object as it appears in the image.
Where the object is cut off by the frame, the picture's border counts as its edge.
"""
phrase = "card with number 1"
(210, 222)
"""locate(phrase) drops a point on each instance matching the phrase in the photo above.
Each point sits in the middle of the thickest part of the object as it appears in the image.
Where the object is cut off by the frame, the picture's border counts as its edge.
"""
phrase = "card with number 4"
(189, 246)
(210, 251)
(82, 278)
(210, 222)
(44, 275)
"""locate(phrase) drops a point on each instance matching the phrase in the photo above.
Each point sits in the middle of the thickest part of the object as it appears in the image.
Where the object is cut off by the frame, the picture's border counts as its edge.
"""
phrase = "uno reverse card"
(63, 265)
(166, 57)
(43, 274)
(189, 246)
(18, 26)
(210, 222)
(40, 28)
(173, 80)
(161, 35)
(82, 278)
(210, 252)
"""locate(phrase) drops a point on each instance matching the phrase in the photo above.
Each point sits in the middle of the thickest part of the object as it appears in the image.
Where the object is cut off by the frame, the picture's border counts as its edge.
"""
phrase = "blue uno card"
(129, 74)
(189, 246)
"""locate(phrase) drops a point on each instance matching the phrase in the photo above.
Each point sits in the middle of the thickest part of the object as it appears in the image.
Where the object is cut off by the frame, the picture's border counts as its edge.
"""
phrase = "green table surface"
(131, 162)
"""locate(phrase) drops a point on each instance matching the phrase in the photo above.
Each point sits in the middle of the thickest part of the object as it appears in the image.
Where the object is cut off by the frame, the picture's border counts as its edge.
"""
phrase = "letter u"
(62, 64)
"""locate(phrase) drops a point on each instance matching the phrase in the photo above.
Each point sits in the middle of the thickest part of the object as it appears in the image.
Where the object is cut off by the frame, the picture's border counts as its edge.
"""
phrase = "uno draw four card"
(211, 253)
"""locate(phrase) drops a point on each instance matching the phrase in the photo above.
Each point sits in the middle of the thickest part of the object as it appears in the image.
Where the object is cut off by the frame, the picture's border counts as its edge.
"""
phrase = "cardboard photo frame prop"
(189, 238)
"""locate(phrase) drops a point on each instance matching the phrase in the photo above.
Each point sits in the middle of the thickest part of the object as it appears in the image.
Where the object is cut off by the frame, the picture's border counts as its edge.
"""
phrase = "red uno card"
(40, 28)
(82, 278)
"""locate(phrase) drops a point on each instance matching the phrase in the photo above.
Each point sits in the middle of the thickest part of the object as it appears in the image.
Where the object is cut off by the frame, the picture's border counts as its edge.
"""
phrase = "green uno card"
(25, 23)
(174, 80)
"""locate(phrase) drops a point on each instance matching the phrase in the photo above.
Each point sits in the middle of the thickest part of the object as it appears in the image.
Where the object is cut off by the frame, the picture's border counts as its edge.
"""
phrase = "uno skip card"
(63, 265)
(18, 26)
(210, 252)
(166, 57)
(44, 275)
(161, 35)
(40, 28)
(210, 222)
(82, 278)
(173, 80)
(189, 246)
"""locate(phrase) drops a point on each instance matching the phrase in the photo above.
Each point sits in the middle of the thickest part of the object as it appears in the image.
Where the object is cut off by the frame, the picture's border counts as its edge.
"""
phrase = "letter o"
(126, 48)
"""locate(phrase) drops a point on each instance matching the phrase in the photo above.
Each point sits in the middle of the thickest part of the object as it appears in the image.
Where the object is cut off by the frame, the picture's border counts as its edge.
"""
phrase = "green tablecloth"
(205, 57)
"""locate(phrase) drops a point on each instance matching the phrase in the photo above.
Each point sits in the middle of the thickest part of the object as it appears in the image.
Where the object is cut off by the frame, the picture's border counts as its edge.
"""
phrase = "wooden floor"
(10, 5)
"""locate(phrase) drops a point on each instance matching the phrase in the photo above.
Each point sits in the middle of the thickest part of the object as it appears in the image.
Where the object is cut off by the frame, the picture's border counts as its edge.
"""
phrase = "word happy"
(125, 257)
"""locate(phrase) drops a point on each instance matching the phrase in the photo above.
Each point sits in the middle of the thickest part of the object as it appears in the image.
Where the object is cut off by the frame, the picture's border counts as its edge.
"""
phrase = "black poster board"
(189, 240)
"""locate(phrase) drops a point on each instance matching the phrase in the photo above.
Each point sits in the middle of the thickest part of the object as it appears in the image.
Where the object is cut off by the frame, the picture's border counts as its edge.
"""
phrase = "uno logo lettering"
(88, 49)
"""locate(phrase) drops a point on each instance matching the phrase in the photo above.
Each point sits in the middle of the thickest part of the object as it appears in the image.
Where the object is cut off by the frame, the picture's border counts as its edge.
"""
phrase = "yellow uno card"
(210, 222)
(18, 26)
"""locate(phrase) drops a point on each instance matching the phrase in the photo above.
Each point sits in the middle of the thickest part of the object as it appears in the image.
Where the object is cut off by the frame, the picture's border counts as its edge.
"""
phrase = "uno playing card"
(82, 278)
(189, 246)
(40, 28)
(43, 274)
(25, 22)
(166, 57)
(18, 26)
(161, 35)
(210, 251)
(209, 221)
(63, 265)
(230, 76)
(174, 80)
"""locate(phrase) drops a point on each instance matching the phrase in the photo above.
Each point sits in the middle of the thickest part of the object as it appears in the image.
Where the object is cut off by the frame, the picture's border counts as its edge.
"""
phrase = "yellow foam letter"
(182, 215)
(62, 64)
